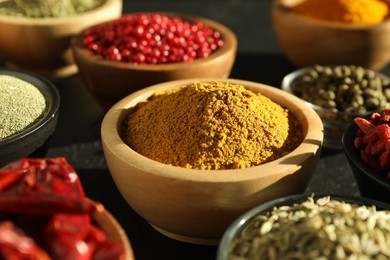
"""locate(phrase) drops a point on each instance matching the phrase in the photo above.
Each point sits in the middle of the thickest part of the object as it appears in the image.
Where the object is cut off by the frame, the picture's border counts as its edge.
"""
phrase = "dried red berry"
(152, 39)
(373, 141)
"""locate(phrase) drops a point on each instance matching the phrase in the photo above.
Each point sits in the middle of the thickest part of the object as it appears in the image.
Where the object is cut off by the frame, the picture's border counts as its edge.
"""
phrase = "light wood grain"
(308, 41)
(42, 45)
(109, 81)
(113, 230)
(197, 206)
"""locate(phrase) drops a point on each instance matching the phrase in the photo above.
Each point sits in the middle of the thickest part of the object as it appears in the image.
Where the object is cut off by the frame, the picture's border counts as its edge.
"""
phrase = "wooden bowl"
(113, 230)
(308, 41)
(196, 206)
(109, 81)
(42, 45)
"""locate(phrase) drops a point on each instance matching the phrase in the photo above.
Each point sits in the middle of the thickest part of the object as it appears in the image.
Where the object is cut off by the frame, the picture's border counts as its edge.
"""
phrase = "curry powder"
(211, 126)
(345, 11)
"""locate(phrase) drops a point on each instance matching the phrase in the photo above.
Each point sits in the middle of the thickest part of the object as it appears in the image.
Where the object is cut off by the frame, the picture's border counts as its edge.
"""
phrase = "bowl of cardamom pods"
(190, 156)
(310, 227)
(339, 93)
(333, 32)
(29, 109)
(35, 35)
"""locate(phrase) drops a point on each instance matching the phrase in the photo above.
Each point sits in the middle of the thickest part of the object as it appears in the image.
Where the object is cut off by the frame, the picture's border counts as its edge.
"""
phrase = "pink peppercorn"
(152, 39)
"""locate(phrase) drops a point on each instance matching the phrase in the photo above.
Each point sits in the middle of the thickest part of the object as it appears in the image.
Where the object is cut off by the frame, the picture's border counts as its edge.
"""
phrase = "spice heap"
(345, 11)
(21, 105)
(373, 142)
(152, 39)
(321, 229)
(211, 126)
(47, 8)
(45, 214)
(349, 89)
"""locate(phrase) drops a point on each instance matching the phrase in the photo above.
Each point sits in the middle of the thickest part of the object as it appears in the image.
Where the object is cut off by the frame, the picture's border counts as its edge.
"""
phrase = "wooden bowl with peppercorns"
(142, 49)
(35, 35)
(190, 156)
(331, 32)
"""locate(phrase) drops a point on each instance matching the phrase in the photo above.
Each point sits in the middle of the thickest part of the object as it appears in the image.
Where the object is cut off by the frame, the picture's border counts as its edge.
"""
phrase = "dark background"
(259, 59)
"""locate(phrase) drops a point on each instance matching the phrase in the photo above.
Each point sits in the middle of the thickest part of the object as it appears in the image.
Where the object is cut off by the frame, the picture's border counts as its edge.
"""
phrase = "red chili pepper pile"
(44, 214)
(373, 141)
(152, 39)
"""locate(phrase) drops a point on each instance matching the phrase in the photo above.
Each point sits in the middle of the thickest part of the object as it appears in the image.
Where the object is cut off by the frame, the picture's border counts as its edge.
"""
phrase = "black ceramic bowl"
(237, 226)
(33, 140)
(370, 183)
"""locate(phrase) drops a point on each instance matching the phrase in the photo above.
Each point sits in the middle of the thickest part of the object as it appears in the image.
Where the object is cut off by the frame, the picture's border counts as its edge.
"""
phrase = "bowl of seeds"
(190, 156)
(339, 94)
(138, 50)
(310, 227)
(36, 35)
(29, 108)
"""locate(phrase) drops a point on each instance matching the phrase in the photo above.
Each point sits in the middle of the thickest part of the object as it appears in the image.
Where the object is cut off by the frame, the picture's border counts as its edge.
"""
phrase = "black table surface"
(259, 59)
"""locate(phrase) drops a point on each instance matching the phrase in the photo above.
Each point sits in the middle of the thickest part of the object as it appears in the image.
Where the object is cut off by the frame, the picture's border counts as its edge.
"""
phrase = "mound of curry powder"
(211, 126)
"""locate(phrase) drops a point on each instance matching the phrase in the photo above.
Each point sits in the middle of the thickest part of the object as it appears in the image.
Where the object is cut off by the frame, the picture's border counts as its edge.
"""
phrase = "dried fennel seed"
(47, 8)
(21, 104)
(322, 229)
(211, 126)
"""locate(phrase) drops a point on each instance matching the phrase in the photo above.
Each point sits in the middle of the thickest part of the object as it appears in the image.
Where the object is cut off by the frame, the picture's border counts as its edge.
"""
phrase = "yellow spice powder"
(211, 126)
(345, 11)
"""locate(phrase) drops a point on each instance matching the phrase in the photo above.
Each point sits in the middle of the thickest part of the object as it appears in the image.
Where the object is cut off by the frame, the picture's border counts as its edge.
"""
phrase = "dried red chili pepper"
(42, 187)
(46, 200)
(73, 236)
(15, 244)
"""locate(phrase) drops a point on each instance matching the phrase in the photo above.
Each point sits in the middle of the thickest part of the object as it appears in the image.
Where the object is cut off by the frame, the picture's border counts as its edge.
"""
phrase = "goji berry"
(373, 141)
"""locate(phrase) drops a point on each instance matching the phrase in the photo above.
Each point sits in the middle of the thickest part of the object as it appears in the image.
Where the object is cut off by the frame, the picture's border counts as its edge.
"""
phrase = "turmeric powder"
(345, 11)
(211, 126)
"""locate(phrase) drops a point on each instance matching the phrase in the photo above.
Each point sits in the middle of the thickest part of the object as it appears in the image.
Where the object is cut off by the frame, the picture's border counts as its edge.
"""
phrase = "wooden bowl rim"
(53, 21)
(280, 7)
(230, 45)
(292, 162)
(103, 219)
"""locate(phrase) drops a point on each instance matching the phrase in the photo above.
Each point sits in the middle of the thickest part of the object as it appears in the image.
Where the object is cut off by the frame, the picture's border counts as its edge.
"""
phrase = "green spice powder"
(211, 126)
(47, 8)
(21, 104)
